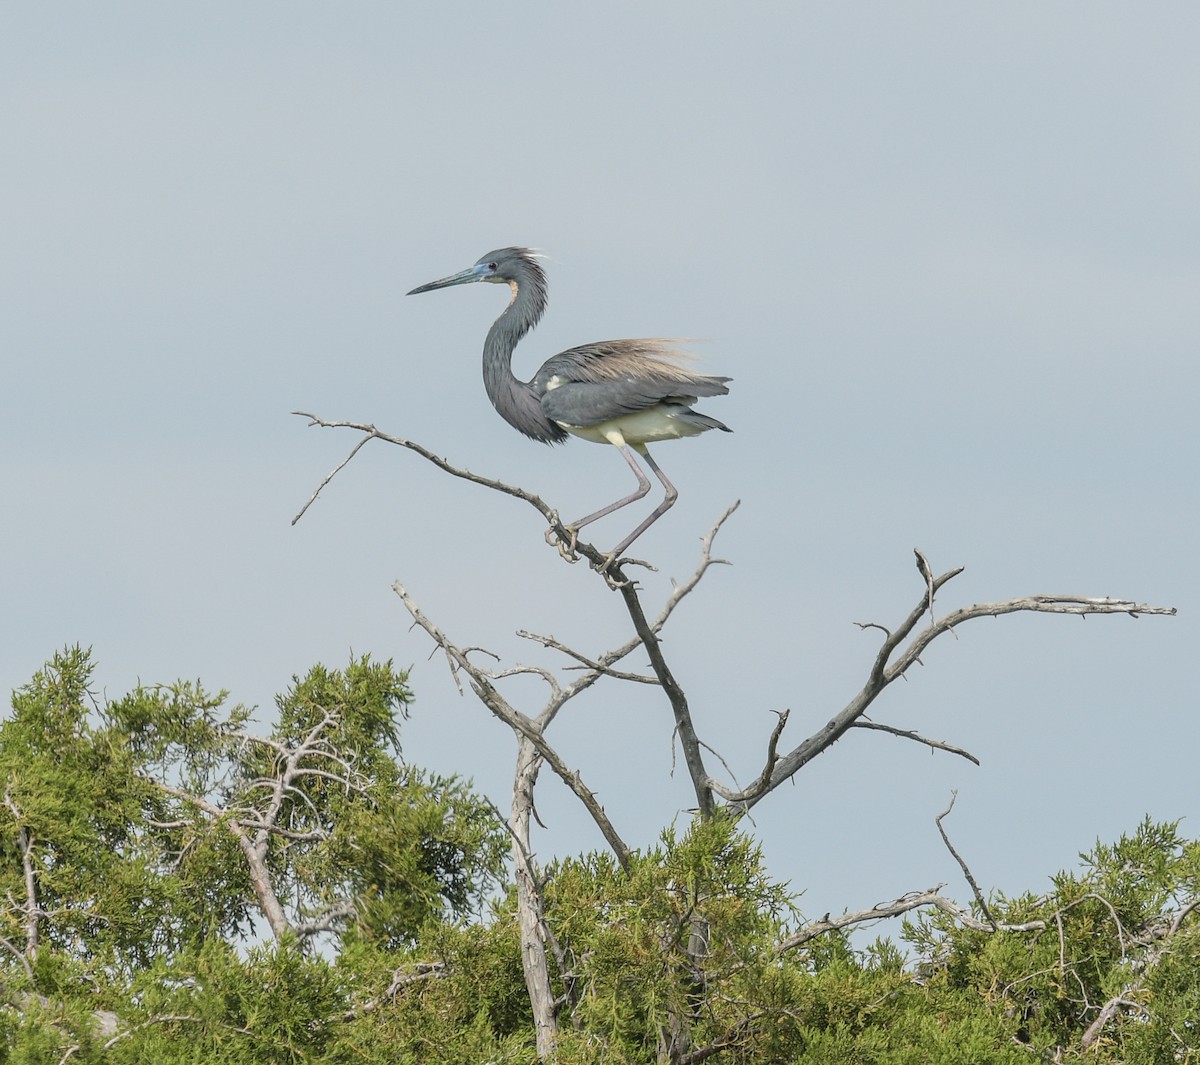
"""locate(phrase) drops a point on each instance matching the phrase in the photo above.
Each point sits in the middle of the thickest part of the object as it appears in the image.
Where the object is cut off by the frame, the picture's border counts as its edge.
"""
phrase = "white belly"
(642, 427)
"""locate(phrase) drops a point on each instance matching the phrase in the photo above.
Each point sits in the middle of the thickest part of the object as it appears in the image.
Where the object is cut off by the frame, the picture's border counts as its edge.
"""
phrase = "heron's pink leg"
(667, 503)
(643, 488)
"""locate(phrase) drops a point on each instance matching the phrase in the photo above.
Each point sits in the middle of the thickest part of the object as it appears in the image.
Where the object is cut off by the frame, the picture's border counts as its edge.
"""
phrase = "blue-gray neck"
(516, 401)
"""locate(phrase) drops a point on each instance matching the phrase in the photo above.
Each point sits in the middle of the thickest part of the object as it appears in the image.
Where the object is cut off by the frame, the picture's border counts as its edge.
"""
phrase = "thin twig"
(586, 662)
(908, 734)
(337, 469)
(763, 782)
(983, 906)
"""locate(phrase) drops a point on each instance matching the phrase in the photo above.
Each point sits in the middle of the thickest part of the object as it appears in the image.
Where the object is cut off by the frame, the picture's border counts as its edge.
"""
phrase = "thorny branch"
(909, 734)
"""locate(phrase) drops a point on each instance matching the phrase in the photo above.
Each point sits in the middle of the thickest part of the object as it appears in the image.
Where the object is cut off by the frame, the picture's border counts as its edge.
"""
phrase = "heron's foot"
(565, 548)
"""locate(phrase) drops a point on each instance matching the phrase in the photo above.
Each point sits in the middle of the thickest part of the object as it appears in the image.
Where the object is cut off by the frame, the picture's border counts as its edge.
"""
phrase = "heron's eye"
(492, 267)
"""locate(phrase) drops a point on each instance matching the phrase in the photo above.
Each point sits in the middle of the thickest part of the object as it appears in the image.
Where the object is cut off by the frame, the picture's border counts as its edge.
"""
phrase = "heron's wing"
(607, 359)
(595, 382)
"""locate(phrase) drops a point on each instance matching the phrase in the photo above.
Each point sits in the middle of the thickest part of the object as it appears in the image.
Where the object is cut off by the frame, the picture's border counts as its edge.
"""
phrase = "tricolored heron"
(628, 393)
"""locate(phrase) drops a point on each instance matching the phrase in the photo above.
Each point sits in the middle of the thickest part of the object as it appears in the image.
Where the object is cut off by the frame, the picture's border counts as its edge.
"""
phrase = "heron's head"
(503, 266)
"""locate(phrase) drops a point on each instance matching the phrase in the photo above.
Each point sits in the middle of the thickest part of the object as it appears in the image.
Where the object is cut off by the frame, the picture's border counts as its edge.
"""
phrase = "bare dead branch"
(675, 695)
(531, 918)
(908, 734)
(1182, 915)
(1123, 998)
(521, 844)
(679, 592)
(337, 469)
(715, 753)
(905, 904)
(254, 826)
(327, 921)
(519, 670)
(1040, 604)
(1109, 1010)
(19, 955)
(884, 670)
(521, 724)
(260, 875)
(648, 634)
(983, 906)
(598, 559)
(924, 569)
(585, 661)
(875, 625)
(401, 978)
(763, 782)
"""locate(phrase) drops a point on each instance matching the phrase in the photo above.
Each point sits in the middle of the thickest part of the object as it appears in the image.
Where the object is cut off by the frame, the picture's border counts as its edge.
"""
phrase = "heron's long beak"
(463, 277)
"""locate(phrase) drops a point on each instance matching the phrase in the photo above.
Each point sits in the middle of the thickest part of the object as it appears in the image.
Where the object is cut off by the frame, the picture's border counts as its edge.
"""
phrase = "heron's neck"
(525, 309)
(516, 401)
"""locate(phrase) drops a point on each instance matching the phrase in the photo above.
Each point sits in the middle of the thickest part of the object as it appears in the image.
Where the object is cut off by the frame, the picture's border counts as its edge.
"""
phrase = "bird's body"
(628, 393)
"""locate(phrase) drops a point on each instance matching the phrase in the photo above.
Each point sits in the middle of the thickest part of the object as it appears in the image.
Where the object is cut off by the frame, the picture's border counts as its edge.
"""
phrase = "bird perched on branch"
(628, 393)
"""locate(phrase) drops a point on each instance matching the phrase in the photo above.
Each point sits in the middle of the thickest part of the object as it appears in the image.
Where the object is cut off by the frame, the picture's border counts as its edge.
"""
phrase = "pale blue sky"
(950, 255)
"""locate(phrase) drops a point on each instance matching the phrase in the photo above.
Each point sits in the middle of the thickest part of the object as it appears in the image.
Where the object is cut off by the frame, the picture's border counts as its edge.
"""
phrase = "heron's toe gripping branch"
(565, 548)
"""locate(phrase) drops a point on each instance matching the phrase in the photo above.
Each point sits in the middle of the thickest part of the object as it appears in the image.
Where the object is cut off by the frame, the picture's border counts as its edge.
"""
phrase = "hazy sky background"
(949, 253)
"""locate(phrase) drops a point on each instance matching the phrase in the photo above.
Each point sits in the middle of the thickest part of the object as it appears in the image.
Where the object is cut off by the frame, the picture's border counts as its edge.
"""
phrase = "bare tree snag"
(901, 647)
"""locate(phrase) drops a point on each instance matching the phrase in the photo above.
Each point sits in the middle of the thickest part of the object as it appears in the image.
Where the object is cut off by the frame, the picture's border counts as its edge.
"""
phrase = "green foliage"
(143, 841)
(72, 820)
(689, 926)
(1106, 933)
